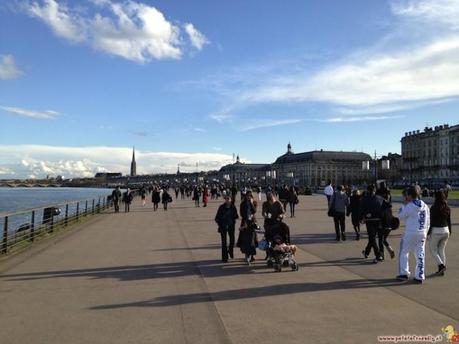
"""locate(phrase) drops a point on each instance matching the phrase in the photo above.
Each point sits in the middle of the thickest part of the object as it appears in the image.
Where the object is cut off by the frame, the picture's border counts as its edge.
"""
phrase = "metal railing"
(24, 227)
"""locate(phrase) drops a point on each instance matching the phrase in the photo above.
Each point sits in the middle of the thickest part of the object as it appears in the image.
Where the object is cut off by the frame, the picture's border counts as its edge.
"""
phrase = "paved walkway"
(146, 277)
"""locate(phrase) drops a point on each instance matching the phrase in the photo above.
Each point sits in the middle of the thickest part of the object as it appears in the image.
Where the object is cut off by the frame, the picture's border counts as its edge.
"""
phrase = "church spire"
(289, 148)
(133, 164)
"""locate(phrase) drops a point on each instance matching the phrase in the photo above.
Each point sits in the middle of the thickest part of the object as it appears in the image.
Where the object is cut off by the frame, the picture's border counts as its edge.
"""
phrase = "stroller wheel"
(277, 267)
(269, 263)
(295, 266)
(285, 263)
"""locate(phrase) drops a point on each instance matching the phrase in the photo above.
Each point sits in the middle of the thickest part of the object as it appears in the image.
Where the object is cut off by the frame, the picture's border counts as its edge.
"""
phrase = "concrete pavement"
(156, 277)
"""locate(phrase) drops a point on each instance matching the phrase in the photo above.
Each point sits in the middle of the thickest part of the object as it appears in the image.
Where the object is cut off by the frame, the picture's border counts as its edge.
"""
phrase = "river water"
(17, 199)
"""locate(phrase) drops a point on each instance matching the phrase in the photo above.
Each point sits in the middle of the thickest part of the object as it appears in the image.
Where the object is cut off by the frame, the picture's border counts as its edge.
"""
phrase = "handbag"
(263, 245)
(394, 223)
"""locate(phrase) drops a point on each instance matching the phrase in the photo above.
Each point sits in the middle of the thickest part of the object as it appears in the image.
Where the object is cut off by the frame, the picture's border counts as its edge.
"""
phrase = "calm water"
(13, 199)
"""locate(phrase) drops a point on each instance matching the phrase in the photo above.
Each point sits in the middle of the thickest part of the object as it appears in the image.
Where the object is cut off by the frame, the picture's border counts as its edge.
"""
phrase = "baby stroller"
(278, 251)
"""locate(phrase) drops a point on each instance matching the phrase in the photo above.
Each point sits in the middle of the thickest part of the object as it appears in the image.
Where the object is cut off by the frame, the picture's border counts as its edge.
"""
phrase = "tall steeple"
(289, 148)
(133, 164)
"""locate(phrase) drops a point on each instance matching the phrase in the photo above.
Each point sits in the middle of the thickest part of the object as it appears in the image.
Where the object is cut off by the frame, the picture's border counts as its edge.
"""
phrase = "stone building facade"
(431, 154)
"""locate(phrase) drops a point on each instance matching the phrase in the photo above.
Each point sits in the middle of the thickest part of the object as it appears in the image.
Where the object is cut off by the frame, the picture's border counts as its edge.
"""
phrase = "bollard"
(5, 235)
(103, 204)
(66, 219)
(32, 226)
(86, 208)
(78, 211)
(93, 209)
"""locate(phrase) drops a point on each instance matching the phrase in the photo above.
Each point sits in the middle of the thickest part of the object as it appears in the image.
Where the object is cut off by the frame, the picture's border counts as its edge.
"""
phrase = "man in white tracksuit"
(416, 215)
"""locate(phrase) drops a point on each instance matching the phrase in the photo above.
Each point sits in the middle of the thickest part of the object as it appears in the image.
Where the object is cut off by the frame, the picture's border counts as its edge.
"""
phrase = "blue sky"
(194, 81)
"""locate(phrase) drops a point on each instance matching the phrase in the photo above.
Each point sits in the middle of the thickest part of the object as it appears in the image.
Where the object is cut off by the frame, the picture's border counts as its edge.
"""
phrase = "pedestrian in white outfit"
(416, 215)
(328, 191)
(440, 230)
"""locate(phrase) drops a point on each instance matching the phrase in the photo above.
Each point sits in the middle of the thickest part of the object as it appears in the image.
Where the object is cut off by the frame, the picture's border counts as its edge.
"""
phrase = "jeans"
(372, 230)
(224, 233)
(126, 207)
(383, 233)
(292, 209)
(437, 245)
(340, 224)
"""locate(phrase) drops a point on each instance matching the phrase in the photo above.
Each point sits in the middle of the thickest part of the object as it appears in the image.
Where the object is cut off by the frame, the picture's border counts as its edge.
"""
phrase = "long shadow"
(212, 268)
(249, 293)
(208, 247)
(340, 262)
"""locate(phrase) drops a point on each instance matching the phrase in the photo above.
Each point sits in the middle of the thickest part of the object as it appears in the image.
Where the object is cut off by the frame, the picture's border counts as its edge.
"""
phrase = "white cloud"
(48, 114)
(197, 39)
(42, 160)
(414, 65)
(57, 16)
(129, 29)
(8, 68)
(266, 123)
(358, 119)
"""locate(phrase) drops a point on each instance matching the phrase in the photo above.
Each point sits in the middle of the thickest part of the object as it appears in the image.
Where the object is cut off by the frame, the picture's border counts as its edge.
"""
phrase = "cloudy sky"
(192, 82)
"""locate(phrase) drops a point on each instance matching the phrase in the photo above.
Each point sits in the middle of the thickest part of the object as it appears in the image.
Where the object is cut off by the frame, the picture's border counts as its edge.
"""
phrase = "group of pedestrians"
(227, 215)
(374, 209)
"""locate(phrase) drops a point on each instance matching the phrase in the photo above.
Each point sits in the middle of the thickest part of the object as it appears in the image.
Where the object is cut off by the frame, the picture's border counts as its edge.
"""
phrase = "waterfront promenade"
(146, 277)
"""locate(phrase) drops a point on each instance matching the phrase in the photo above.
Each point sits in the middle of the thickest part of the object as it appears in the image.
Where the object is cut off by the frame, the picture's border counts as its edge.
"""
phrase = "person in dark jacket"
(338, 204)
(226, 219)
(166, 198)
(127, 199)
(247, 240)
(292, 200)
(440, 230)
(273, 213)
(386, 219)
(284, 196)
(196, 196)
(370, 214)
(155, 198)
(354, 211)
(116, 197)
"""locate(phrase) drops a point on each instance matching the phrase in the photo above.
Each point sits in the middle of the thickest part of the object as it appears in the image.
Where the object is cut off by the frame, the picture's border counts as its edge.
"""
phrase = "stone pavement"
(147, 277)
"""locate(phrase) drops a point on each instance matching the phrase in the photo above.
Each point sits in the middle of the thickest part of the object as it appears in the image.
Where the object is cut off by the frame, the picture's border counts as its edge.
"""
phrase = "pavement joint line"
(390, 289)
(227, 338)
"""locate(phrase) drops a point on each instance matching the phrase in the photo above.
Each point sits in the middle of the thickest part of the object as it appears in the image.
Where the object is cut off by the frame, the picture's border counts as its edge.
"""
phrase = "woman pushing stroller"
(247, 240)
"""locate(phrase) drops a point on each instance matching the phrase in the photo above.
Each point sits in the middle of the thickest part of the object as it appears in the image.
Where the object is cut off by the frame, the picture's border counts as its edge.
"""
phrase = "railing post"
(86, 208)
(66, 219)
(103, 204)
(93, 209)
(32, 226)
(78, 211)
(98, 206)
(5, 235)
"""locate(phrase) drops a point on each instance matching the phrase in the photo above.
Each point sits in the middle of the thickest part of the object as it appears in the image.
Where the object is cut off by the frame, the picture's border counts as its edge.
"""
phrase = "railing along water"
(23, 227)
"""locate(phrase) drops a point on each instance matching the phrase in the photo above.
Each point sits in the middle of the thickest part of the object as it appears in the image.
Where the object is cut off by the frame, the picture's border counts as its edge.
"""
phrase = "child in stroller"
(280, 252)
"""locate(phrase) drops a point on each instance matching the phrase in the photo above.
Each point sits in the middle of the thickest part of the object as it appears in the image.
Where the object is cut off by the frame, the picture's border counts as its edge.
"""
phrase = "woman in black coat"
(166, 198)
(155, 198)
(247, 240)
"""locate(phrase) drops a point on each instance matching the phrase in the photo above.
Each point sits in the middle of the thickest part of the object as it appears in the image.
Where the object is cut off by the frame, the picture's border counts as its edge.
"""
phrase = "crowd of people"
(373, 208)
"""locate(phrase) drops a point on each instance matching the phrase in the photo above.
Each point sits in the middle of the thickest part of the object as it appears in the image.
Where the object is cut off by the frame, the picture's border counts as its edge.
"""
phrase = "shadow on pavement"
(212, 268)
(249, 293)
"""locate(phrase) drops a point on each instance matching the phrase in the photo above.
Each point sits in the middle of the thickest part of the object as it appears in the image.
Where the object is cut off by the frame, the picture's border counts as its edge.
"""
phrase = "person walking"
(226, 219)
(177, 191)
(166, 198)
(205, 196)
(440, 230)
(247, 240)
(116, 197)
(127, 199)
(196, 196)
(328, 191)
(143, 195)
(338, 205)
(416, 215)
(155, 198)
(354, 211)
(259, 193)
(386, 221)
(292, 200)
(273, 213)
(284, 196)
(370, 214)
